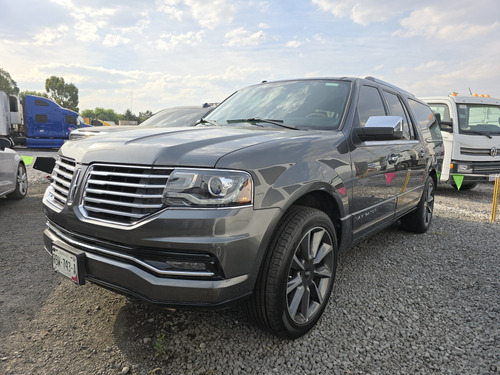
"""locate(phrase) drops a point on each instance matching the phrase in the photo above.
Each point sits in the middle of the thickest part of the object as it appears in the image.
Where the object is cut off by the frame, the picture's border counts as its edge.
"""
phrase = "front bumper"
(192, 271)
(480, 171)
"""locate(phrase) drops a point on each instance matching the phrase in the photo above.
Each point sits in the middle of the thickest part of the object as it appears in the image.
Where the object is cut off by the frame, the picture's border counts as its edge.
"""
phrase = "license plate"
(68, 264)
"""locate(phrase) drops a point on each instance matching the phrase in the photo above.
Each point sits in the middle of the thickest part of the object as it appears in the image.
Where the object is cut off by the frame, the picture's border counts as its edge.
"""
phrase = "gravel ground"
(402, 304)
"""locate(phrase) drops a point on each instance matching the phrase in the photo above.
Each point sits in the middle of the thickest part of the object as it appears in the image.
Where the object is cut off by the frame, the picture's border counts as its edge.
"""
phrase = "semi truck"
(38, 122)
(470, 127)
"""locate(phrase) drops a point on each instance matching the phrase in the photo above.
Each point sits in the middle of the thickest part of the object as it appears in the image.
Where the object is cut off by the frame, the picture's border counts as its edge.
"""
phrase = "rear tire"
(296, 279)
(21, 183)
(419, 221)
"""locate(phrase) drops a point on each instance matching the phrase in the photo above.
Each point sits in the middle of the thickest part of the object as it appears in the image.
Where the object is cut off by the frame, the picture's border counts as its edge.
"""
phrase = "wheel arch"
(325, 202)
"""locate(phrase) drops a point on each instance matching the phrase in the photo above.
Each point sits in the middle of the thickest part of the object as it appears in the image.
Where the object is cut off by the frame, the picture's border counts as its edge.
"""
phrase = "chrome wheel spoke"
(310, 275)
(323, 251)
(323, 272)
(304, 305)
(316, 295)
(316, 242)
(296, 263)
(293, 284)
(296, 302)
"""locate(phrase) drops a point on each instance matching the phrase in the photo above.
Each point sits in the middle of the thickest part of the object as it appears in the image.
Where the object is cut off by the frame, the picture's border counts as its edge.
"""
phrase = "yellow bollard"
(495, 199)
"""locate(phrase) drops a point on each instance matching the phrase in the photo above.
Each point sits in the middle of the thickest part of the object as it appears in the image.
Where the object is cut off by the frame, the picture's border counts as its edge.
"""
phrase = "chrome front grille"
(62, 175)
(475, 151)
(123, 194)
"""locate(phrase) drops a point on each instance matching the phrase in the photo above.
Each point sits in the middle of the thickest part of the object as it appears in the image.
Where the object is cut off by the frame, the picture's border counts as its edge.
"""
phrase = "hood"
(197, 147)
(89, 130)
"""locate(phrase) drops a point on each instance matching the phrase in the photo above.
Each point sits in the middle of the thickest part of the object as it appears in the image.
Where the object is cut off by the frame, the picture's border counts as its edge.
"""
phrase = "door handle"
(392, 158)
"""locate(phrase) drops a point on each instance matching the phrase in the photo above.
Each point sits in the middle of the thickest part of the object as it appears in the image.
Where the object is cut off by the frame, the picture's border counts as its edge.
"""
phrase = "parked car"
(169, 117)
(254, 204)
(13, 176)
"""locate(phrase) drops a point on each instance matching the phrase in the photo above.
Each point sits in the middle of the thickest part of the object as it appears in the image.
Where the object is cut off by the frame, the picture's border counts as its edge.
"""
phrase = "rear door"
(413, 155)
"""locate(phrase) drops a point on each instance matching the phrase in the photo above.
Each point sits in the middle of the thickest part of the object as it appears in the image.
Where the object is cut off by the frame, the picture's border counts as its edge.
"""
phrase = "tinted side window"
(41, 118)
(425, 119)
(41, 103)
(70, 120)
(396, 108)
(442, 109)
(369, 104)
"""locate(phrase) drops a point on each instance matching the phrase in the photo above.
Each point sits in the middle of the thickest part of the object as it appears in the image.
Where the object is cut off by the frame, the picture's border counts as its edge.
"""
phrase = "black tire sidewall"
(310, 218)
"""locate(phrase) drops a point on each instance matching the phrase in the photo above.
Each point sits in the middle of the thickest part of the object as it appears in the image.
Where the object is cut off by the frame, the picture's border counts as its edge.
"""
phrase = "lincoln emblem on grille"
(493, 151)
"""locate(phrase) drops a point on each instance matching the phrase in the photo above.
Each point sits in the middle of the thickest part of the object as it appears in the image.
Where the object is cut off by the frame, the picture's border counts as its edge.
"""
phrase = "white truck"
(471, 132)
(11, 115)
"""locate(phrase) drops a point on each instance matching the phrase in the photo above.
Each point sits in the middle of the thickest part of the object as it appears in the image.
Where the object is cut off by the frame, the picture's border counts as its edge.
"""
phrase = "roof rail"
(376, 80)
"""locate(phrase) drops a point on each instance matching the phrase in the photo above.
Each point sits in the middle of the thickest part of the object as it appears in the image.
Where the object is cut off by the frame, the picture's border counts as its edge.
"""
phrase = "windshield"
(480, 118)
(80, 121)
(305, 104)
(173, 117)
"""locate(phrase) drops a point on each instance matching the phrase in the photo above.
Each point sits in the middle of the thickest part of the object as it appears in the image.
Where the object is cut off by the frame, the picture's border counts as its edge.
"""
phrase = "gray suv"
(253, 204)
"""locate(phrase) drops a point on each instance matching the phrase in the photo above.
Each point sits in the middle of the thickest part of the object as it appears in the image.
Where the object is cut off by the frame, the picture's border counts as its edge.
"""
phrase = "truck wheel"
(297, 276)
(418, 221)
(21, 183)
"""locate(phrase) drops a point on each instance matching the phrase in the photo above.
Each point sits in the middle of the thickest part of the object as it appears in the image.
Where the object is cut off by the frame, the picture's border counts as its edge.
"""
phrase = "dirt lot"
(383, 318)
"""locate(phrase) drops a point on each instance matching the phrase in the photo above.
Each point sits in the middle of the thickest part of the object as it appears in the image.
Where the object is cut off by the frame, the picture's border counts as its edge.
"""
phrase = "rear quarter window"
(425, 118)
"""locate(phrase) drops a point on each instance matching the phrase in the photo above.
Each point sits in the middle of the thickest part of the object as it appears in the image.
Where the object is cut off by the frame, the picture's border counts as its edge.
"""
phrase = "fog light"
(199, 265)
(191, 266)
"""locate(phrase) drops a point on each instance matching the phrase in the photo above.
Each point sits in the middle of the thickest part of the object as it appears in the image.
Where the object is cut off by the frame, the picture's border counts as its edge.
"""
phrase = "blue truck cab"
(47, 123)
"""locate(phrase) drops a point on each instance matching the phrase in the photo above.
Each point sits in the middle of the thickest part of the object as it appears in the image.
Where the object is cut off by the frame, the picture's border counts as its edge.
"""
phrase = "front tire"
(21, 183)
(419, 220)
(296, 280)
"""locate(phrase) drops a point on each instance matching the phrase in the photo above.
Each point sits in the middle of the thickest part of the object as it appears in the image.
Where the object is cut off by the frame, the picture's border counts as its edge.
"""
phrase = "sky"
(149, 55)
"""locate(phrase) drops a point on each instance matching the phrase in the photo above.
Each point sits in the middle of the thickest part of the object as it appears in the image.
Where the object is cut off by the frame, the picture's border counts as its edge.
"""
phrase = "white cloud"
(167, 42)
(442, 19)
(241, 37)
(50, 35)
(319, 38)
(211, 14)
(86, 31)
(365, 12)
(431, 65)
(454, 24)
(170, 7)
(114, 40)
(156, 46)
(293, 44)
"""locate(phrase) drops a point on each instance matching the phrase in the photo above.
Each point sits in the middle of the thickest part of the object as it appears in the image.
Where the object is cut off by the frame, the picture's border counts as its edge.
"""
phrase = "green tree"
(143, 116)
(100, 113)
(129, 116)
(23, 94)
(7, 84)
(64, 94)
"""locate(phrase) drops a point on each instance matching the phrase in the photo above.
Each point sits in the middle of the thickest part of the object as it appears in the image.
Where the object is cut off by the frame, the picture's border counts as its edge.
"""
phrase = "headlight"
(208, 188)
(464, 168)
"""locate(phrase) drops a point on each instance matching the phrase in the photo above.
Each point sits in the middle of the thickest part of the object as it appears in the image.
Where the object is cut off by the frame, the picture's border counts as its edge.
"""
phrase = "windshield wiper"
(205, 121)
(477, 133)
(266, 120)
